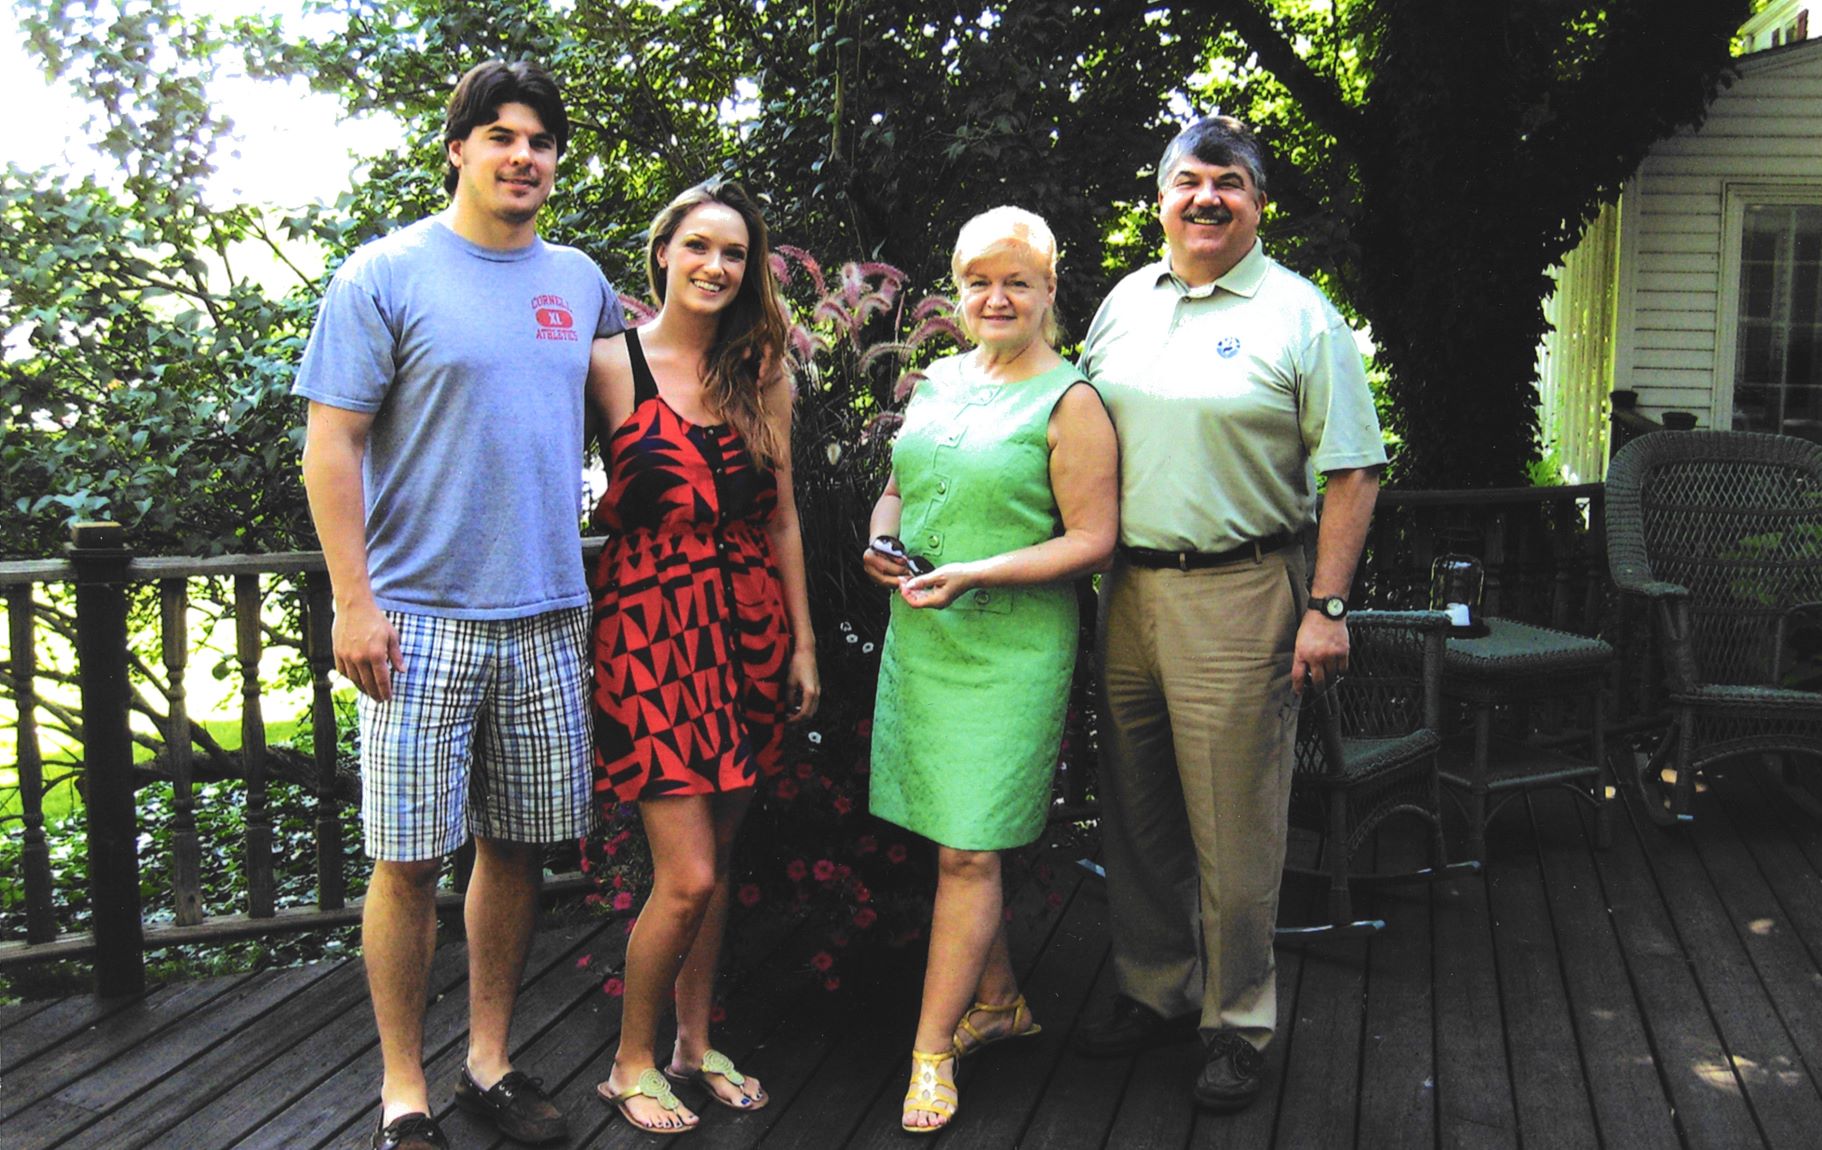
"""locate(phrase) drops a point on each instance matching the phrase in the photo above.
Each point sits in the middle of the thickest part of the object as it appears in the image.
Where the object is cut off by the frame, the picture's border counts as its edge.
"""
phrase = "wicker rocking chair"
(1721, 532)
(1366, 750)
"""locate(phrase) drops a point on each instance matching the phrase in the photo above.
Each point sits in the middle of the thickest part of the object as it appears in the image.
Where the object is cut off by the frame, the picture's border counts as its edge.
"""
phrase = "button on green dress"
(969, 718)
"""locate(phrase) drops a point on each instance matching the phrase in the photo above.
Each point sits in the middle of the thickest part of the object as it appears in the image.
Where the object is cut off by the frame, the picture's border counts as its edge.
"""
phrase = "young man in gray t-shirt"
(443, 462)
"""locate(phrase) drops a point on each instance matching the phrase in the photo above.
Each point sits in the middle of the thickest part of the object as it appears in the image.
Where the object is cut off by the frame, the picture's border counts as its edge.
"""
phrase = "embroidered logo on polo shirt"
(555, 320)
(1228, 346)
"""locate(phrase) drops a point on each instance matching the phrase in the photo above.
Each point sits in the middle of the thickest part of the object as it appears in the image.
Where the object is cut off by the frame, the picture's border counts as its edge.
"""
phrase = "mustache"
(1218, 214)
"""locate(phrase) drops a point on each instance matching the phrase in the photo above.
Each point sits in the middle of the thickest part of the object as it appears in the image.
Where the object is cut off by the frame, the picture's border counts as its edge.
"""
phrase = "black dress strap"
(645, 385)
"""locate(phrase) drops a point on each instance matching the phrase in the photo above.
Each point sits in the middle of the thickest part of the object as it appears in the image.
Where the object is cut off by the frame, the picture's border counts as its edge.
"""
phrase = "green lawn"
(62, 798)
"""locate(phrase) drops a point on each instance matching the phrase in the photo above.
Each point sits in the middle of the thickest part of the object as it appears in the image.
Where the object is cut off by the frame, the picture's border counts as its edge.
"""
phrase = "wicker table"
(1518, 663)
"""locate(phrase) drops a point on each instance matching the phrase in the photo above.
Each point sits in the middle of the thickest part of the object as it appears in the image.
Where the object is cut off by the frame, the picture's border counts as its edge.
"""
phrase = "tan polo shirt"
(1228, 399)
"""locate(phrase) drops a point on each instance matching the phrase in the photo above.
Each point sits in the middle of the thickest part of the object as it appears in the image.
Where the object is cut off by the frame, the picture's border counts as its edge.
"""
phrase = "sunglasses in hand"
(893, 548)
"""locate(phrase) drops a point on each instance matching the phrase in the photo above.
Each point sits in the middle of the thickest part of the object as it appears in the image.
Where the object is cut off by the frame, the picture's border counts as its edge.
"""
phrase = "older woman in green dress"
(1004, 488)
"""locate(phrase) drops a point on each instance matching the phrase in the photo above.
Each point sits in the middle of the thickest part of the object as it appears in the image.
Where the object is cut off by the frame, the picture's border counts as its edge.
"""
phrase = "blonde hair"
(1007, 230)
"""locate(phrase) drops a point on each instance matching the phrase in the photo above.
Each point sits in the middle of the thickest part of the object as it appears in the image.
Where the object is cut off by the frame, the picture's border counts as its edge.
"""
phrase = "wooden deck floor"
(1662, 993)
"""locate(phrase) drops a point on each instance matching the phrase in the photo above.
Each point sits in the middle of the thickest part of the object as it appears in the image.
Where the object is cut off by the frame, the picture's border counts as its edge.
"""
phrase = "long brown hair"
(750, 337)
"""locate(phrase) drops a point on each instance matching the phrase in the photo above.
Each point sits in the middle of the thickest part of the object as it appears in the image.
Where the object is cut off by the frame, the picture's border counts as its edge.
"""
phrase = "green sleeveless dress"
(969, 717)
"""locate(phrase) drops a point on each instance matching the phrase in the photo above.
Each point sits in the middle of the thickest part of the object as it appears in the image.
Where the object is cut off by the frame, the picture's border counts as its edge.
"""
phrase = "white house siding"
(1673, 342)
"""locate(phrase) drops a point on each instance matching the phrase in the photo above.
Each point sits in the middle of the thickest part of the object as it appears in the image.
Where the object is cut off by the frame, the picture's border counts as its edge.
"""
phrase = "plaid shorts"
(486, 734)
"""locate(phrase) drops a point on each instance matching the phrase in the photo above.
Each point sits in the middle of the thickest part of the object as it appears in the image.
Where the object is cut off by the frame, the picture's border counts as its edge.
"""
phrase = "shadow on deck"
(1663, 993)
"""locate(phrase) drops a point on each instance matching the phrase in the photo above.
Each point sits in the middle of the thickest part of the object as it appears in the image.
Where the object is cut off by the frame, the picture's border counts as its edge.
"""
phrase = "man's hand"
(1322, 651)
(367, 649)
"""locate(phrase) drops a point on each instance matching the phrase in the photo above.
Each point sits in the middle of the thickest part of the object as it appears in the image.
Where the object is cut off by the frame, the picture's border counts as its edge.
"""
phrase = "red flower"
(833, 982)
(623, 900)
(823, 960)
(795, 870)
(826, 782)
(749, 894)
(805, 770)
(865, 845)
(718, 1013)
(613, 988)
(582, 963)
(592, 899)
(843, 804)
(865, 917)
(824, 870)
(787, 789)
(611, 850)
(896, 852)
(843, 870)
(861, 893)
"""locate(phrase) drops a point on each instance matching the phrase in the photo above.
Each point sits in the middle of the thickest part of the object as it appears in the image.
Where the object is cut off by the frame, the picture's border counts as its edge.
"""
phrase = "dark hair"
(750, 338)
(484, 87)
(1219, 140)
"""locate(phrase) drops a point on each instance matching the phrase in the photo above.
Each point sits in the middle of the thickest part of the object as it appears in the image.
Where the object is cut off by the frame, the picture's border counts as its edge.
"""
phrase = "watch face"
(1333, 607)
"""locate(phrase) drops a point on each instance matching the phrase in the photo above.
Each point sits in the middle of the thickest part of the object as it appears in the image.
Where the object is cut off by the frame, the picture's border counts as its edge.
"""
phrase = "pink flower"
(822, 960)
(825, 870)
(795, 870)
(718, 1013)
(865, 845)
(592, 899)
(611, 850)
(623, 900)
(749, 894)
(826, 782)
(865, 917)
(613, 988)
(583, 962)
(896, 852)
(843, 870)
(833, 982)
(843, 804)
(861, 893)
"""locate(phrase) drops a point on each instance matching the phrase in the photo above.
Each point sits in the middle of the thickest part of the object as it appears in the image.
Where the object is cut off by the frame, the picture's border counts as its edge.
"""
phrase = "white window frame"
(1735, 199)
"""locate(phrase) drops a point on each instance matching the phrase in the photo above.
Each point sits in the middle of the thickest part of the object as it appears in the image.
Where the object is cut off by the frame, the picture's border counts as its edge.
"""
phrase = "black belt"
(1190, 560)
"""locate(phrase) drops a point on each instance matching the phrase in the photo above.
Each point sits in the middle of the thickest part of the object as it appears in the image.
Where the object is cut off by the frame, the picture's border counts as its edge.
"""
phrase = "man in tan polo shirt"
(1232, 382)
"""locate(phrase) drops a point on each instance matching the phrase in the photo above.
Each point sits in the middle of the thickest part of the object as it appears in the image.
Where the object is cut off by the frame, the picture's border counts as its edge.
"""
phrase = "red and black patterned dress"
(691, 641)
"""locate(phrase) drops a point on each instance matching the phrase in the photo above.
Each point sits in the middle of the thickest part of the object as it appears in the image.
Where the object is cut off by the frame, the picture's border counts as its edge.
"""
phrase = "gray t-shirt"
(473, 363)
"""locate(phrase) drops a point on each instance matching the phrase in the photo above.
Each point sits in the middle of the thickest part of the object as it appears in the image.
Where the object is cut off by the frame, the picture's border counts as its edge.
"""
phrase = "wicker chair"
(1366, 750)
(1721, 532)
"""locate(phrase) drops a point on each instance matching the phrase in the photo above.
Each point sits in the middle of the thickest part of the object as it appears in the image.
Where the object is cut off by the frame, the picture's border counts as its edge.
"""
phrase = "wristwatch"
(1329, 606)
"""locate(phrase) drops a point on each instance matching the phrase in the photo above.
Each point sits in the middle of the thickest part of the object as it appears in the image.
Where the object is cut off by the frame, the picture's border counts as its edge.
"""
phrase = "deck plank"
(1549, 1085)
(1561, 1000)
(1474, 1105)
(1707, 1099)
(1398, 1054)
(1778, 1086)
(145, 1068)
(113, 1032)
(1631, 1109)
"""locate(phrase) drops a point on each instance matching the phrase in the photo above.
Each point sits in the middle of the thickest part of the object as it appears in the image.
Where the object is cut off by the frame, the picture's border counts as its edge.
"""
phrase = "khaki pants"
(1195, 782)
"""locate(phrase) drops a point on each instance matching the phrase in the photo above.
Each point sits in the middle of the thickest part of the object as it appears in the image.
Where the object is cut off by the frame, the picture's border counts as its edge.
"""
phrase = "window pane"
(1778, 365)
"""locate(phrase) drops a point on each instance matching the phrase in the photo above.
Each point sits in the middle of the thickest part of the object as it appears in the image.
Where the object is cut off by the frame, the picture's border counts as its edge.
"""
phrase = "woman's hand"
(883, 569)
(804, 686)
(942, 586)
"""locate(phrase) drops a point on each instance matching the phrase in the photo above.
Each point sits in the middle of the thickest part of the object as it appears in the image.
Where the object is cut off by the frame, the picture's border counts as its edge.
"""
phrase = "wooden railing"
(102, 577)
(1542, 551)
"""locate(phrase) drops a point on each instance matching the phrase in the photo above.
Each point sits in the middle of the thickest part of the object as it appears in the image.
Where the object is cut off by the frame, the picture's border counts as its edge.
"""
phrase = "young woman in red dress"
(702, 642)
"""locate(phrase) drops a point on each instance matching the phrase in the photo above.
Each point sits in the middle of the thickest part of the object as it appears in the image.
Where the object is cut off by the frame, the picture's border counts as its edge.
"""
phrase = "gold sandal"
(968, 1039)
(931, 1091)
(650, 1084)
(721, 1066)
